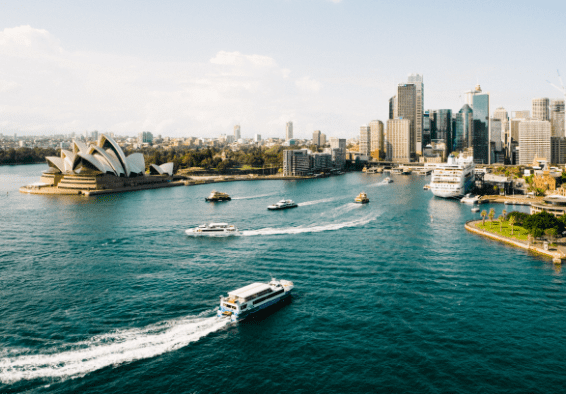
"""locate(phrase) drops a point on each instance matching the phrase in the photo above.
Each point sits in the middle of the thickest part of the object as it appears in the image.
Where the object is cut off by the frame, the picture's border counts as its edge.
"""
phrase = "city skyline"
(185, 70)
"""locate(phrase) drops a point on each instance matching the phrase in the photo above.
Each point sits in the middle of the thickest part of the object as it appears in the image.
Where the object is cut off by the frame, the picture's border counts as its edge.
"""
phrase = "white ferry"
(452, 179)
(387, 180)
(243, 302)
(214, 229)
(283, 204)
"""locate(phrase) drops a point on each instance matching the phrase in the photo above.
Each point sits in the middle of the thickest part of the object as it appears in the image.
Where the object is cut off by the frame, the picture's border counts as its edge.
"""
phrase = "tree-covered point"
(26, 155)
(213, 158)
(538, 223)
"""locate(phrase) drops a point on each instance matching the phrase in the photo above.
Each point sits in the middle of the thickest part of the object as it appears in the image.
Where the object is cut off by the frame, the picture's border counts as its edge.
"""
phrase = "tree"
(501, 218)
(483, 215)
(512, 222)
(504, 213)
(551, 233)
(491, 214)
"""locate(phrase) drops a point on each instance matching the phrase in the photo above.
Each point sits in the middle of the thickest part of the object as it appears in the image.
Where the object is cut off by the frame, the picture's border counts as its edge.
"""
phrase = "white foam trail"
(309, 229)
(303, 204)
(378, 184)
(250, 197)
(110, 349)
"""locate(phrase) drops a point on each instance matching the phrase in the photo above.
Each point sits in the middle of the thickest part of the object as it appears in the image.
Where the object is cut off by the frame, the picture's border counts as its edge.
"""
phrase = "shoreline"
(192, 181)
(556, 256)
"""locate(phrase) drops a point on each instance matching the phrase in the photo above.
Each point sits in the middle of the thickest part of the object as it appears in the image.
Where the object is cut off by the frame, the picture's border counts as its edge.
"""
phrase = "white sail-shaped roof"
(167, 168)
(108, 143)
(136, 163)
(56, 162)
(68, 159)
(111, 159)
(78, 146)
(101, 166)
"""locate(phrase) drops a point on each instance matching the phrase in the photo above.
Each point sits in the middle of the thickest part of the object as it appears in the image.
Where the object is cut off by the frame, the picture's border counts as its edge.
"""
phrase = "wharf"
(557, 254)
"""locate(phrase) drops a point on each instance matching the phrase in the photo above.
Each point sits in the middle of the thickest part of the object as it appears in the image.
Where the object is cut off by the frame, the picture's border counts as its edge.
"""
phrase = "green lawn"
(518, 232)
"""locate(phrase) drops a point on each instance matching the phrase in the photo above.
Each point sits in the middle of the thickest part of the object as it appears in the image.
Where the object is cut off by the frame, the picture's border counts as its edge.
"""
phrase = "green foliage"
(26, 155)
(543, 221)
(536, 232)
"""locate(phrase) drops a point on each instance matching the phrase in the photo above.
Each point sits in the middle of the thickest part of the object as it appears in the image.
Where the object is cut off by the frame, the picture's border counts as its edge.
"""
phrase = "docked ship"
(214, 229)
(252, 298)
(217, 196)
(283, 204)
(454, 178)
(362, 198)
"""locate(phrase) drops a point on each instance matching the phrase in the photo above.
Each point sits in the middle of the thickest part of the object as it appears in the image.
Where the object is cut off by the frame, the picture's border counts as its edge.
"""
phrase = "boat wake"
(251, 197)
(304, 204)
(311, 228)
(78, 359)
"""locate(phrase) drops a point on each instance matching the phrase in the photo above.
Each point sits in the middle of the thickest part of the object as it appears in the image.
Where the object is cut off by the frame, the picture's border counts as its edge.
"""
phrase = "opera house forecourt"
(99, 168)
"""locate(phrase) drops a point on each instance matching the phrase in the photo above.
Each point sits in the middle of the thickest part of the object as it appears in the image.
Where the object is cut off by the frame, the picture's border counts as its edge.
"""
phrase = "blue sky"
(194, 68)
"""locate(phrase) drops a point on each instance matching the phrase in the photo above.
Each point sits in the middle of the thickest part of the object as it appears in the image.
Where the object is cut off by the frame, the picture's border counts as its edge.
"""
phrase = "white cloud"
(47, 89)
(308, 85)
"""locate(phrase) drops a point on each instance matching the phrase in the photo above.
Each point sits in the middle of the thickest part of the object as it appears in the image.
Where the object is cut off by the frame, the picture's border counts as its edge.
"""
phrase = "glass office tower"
(480, 131)
(463, 128)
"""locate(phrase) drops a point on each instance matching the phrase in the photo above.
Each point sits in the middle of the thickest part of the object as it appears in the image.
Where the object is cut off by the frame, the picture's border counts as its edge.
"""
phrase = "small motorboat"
(362, 198)
(475, 209)
(217, 196)
(387, 180)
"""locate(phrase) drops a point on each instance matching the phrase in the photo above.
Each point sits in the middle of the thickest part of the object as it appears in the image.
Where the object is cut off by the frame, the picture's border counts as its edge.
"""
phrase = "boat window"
(269, 296)
(243, 306)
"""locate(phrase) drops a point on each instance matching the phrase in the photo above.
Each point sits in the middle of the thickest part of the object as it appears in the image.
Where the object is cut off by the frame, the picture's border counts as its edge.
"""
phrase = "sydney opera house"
(101, 166)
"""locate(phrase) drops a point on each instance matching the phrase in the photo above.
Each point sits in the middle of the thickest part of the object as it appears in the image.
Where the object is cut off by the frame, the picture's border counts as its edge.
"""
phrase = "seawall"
(556, 256)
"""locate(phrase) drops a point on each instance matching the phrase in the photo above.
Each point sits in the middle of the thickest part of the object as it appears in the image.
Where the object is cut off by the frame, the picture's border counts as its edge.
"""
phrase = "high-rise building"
(145, 137)
(399, 140)
(257, 137)
(322, 139)
(237, 134)
(501, 114)
(338, 149)
(407, 109)
(470, 95)
(393, 107)
(524, 114)
(557, 117)
(534, 141)
(540, 109)
(417, 80)
(558, 150)
(427, 129)
(463, 129)
(480, 130)
(365, 140)
(296, 162)
(289, 131)
(316, 137)
(443, 120)
(376, 136)
(495, 139)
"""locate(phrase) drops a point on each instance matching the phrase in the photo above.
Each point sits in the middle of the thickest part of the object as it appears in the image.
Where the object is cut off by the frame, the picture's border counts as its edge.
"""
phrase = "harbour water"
(107, 294)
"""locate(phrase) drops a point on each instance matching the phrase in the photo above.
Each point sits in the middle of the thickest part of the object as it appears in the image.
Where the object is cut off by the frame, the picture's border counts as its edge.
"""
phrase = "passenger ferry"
(214, 229)
(241, 303)
(217, 196)
(362, 198)
(283, 204)
(454, 178)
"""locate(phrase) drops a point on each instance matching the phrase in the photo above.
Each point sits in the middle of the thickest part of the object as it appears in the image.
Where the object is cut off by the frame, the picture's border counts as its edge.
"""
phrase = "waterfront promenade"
(556, 253)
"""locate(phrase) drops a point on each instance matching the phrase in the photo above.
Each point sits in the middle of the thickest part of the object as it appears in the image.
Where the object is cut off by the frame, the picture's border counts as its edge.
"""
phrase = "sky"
(197, 68)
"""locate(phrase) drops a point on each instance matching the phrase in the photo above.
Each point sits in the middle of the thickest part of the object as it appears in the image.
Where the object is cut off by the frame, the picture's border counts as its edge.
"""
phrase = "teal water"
(107, 294)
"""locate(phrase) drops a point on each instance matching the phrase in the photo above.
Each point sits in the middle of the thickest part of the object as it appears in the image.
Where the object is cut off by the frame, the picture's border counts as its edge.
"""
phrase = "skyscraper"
(289, 131)
(427, 129)
(338, 149)
(540, 109)
(237, 135)
(365, 140)
(534, 141)
(417, 80)
(376, 136)
(480, 131)
(316, 137)
(399, 140)
(557, 117)
(407, 109)
(393, 107)
(463, 129)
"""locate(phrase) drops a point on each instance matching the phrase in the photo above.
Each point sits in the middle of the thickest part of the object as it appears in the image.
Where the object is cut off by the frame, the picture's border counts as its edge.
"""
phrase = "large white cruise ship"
(454, 178)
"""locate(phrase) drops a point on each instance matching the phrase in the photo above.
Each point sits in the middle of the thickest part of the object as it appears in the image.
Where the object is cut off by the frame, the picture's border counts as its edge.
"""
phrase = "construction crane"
(563, 91)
